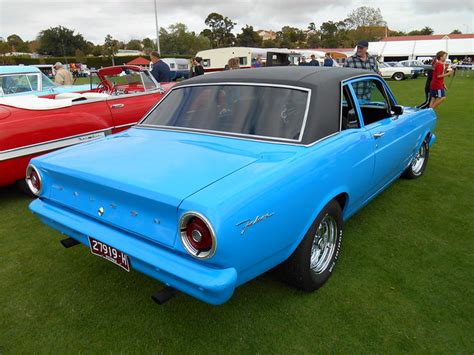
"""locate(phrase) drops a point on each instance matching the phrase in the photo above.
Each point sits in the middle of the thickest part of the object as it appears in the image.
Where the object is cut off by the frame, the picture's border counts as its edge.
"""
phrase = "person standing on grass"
(63, 76)
(362, 59)
(437, 87)
(160, 70)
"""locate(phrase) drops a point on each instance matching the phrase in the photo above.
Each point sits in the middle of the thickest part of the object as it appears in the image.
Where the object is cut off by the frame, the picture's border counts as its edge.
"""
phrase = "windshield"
(47, 83)
(262, 111)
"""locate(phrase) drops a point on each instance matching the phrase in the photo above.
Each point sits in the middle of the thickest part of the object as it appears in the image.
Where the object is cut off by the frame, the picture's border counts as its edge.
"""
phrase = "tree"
(425, 31)
(291, 37)
(270, 43)
(80, 57)
(312, 26)
(134, 44)
(148, 45)
(456, 32)
(220, 33)
(110, 48)
(178, 40)
(249, 38)
(60, 41)
(365, 16)
(16, 44)
(313, 40)
(4, 49)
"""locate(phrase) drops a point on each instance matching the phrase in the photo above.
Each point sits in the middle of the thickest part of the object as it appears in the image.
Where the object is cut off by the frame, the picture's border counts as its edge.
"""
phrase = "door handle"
(378, 135)
(117, 106)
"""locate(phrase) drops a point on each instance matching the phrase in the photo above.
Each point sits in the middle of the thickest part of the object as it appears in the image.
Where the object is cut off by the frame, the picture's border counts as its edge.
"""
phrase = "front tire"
(313, 261)
(398, 76)
(418, 164)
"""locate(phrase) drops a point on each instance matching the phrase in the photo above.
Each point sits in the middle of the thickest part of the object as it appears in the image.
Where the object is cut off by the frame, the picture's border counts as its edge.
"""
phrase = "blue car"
(18, 80)
(233, 174)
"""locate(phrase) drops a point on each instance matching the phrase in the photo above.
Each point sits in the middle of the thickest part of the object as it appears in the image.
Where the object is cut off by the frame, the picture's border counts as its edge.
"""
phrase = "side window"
(206, 63)
(13, 84)
(372, 100)
(348, 112)
(243, 60)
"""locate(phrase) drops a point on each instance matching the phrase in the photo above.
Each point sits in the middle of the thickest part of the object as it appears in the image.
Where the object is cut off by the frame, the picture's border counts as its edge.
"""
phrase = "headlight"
(197, 235)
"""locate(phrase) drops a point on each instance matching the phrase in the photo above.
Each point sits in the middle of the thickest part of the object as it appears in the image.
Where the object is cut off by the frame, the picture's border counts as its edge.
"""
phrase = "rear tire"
(419, 162)
(398, 76)
(313, 261)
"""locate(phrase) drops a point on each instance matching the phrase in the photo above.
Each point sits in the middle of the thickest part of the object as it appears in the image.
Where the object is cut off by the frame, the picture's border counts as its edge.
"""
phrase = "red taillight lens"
(33, 180)
(197, 235)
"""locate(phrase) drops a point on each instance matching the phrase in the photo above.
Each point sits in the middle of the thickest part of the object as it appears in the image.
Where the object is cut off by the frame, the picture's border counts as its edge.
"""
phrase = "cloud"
(127, 19)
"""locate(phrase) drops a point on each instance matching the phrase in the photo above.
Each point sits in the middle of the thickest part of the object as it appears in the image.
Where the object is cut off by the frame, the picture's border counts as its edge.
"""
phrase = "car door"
(128, 109)
(390, 133)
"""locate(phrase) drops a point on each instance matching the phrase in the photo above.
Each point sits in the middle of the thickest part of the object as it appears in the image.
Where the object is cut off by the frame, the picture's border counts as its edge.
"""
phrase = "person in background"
(362, 59)
(258, 62)
(160, 70)
(302, 62)
(328, 61)
(437, 87)
(233, 63)
(197, 68)
(314, 62)
(62, 77)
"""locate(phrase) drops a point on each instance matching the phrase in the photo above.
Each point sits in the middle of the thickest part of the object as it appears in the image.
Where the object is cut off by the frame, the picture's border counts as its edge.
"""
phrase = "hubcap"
(324, 244)
(419, 160)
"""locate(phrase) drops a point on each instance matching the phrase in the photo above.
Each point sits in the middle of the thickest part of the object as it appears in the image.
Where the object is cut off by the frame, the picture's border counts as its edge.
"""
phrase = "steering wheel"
(104, 87)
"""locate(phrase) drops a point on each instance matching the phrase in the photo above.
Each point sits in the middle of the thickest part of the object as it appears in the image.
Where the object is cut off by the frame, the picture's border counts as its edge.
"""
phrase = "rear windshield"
(259, 111)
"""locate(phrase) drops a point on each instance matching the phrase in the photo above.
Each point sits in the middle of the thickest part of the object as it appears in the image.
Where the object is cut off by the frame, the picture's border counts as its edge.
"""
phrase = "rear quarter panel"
(293, 186)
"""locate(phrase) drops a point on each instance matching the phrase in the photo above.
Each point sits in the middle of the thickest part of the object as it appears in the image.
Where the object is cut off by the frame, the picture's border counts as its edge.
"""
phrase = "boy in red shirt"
(437, 88)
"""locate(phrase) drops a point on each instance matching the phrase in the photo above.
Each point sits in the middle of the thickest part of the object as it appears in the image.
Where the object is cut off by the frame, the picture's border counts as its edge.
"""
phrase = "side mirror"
(397, 110)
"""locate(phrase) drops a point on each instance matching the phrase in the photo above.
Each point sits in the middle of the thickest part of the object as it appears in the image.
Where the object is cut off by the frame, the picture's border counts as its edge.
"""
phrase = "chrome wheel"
(324, 244)
(419, 160)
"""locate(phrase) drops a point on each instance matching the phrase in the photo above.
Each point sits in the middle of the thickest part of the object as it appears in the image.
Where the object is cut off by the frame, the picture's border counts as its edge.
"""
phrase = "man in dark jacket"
(160, 70)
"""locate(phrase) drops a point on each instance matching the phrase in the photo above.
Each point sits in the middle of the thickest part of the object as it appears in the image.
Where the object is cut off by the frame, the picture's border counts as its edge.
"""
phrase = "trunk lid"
(139, 178)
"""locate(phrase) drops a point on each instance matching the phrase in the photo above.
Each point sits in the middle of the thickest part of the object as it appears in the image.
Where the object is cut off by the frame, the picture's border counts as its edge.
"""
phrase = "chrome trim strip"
(51, 145)
(223, 134)
(125, 125)
(124, 96)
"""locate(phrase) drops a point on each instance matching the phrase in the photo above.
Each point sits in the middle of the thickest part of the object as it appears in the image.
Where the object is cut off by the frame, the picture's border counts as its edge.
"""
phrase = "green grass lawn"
(404, 281)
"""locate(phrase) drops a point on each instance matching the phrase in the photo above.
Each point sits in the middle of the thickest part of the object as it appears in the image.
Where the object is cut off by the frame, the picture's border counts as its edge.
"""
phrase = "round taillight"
(33, 180)
(197, 235)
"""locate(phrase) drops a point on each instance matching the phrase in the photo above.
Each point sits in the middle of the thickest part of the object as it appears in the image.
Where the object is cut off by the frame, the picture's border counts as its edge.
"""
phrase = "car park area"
(405, 275)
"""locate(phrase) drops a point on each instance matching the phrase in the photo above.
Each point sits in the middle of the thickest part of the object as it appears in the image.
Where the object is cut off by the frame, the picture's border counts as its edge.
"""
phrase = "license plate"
(110, 253)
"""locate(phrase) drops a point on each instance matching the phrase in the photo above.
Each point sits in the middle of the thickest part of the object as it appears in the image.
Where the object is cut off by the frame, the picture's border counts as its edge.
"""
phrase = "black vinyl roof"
(324, 82)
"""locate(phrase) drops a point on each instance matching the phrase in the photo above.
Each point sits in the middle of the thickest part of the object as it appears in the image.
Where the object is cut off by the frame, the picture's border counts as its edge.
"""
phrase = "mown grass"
(404, 281)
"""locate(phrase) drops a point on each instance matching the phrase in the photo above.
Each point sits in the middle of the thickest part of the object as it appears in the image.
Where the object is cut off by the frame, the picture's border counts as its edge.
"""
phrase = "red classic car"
(31, 126)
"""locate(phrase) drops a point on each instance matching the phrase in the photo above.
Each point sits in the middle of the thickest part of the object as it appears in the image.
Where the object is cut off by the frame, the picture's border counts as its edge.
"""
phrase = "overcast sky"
(127, 19)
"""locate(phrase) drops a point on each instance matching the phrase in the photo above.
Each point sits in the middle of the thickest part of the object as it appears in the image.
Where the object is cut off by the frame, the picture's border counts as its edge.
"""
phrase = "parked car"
(396, 72)
(418, 65)
(235, 173)
(16, 80)
(30, 126)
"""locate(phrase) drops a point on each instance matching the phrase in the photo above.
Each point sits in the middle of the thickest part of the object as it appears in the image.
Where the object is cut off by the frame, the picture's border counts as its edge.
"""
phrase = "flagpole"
(157, 30)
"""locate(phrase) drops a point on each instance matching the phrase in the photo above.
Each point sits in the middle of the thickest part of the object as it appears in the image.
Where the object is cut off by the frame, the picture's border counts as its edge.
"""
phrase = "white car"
(397, 72)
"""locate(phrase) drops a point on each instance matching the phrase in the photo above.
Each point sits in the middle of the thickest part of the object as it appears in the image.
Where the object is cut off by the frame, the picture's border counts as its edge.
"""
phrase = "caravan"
(216, 59)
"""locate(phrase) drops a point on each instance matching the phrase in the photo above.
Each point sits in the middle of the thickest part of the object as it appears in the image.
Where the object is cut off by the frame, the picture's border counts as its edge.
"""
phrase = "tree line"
(364, 22)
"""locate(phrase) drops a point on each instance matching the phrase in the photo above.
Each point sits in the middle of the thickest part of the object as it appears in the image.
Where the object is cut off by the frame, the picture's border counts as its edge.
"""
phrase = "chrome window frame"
(233, 134)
